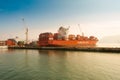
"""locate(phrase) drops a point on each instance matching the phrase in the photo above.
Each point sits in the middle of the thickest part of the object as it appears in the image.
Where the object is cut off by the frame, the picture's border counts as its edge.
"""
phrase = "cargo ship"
(63, 39)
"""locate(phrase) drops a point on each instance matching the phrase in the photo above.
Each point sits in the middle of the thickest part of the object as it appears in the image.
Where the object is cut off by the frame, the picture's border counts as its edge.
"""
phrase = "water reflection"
(3, 51)
(58, 65)
(52, 52)
(63, 63)
(83, 65)
(53, 60)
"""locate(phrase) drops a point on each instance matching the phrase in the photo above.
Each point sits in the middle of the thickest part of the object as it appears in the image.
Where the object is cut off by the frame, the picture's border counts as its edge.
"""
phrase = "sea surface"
(58, 65)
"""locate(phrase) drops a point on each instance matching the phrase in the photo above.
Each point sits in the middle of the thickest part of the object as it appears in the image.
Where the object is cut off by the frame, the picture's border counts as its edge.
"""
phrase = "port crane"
(80, 30)
(26, 33)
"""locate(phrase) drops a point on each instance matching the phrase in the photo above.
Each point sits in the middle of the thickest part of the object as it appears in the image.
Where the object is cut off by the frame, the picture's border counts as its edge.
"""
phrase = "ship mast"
(26, 33)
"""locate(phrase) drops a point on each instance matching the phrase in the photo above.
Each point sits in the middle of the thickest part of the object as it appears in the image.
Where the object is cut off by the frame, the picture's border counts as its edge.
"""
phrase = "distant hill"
(110, 39)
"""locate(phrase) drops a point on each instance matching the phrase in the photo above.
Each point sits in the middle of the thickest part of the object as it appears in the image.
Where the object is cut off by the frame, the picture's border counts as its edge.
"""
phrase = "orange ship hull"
(67, 43)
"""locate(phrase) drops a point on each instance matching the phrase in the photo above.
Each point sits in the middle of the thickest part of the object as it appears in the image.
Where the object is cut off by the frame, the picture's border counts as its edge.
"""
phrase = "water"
(58, 65)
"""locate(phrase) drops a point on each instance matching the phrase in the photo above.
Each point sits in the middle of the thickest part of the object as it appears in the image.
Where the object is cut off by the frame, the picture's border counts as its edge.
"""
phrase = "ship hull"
(68, 43)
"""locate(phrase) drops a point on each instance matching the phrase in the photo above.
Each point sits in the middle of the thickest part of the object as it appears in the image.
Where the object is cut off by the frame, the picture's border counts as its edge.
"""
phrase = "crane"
(80, 30)
(26, 33)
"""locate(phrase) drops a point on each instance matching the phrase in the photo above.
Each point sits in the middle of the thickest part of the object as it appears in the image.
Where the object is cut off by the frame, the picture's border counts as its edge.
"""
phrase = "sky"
(93, 17)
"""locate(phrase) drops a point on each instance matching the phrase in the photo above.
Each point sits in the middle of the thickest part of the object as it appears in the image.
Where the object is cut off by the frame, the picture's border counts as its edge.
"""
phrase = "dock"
(87, 49)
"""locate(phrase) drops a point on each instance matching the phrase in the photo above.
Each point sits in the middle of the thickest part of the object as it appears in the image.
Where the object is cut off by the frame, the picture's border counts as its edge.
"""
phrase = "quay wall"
(89, 49)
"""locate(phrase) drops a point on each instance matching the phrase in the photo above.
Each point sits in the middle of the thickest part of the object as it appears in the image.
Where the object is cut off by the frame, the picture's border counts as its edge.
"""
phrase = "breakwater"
(91, 49)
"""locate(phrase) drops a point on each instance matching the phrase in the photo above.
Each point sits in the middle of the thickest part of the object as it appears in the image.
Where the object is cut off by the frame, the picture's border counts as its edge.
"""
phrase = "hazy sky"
(96, 17)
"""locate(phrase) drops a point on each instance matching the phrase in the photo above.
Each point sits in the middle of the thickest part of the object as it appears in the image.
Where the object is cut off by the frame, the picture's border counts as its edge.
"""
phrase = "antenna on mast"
(26, 33)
